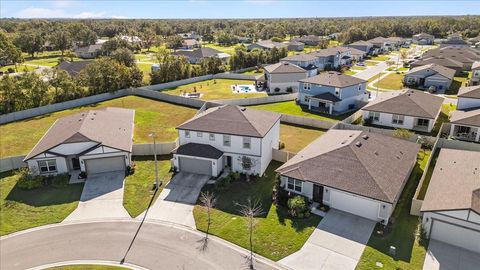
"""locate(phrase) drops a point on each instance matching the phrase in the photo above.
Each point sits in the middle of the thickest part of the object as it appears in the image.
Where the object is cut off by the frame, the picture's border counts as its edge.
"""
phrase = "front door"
(229, 161)
(75, 164)
(318, 193)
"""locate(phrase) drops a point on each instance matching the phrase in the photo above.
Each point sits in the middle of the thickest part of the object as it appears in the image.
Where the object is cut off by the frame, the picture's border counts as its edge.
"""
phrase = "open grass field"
(226, 49)
(254, 72)
(138, 193)
(88, 267)
(24, 209)
(405, 234)
(150, 116)
(290, 107)
(276, 234)
(297, 137)
(215, 89)
(392, 81)
(20, 68)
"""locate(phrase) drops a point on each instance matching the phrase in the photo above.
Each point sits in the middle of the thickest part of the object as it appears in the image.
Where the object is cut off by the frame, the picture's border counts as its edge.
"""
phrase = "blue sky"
(231, 9)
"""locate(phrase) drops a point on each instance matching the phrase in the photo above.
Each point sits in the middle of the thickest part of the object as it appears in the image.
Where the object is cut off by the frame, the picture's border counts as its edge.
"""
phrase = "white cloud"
(89, 15)
(260, 2)
(65, 4)
(33, 12)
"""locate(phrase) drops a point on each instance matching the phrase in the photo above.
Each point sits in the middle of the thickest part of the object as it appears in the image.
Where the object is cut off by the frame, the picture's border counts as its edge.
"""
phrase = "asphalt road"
(154, 246)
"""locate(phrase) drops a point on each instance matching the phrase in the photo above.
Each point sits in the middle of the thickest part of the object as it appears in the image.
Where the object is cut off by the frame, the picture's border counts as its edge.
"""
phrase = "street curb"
(89, 262)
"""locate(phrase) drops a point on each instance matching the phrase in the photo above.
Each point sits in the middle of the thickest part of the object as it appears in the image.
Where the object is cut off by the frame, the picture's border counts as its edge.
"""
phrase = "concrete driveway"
(102, 197)
(175, 203)
(442, 256)
(337, 243)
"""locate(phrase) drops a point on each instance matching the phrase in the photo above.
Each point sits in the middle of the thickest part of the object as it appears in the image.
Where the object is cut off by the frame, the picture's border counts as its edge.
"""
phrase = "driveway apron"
(442, 256)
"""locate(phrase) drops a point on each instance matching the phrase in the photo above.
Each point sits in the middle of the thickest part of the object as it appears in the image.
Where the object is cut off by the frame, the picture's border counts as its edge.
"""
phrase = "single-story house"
(266, 45)
(310, 40)
(131, 39)
(362, 45)
(409, 109)
(423, 39)
(451, 208)
(89, 52)
(295, 46)
(283, 77)
(475, 79)
(441, 61)
(430, 75)
(351, 170)
(93, 141)
(196, 55)
(189, 44)
(332, 92)
(74, 68)
(227, 138)
(468, 97)
(465, 124)
(190, 35)
(465, 55)
(456, 43)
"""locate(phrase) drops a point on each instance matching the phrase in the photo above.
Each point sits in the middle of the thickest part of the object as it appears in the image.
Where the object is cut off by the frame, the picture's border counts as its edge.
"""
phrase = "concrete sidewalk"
(337, 243)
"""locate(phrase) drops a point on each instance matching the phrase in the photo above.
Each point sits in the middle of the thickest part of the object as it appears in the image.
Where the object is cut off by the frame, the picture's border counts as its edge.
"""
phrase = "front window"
(375, 116)
(187, 134)
(212, 137)
(246, 142)
(423, 122)
(47, 166)
(306, 98)
(199, 134)
(226, 140)
(397, 119)
(294, 185)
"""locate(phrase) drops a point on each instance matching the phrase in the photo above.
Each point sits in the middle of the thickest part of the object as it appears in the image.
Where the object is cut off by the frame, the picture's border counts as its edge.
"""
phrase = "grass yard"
(371, 63)
(297, 137)
(20, 68)
(226, 49)
(349, 72)
(138, 192)
(392, 81)
(88, 267)
(444, 116)
(253, 72)
(215, 89)
(276, 234)
(358, 68)
(150, 116)
(405, 235)
(24, 209)
(146, 69)
(290, 107)
(428, 176)
(380, 58)
(456, 84)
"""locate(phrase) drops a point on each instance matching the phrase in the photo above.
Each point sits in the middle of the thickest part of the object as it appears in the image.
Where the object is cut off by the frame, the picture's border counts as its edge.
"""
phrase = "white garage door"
(456, 235)
(355, 205)
(109, 164)
(198, 166)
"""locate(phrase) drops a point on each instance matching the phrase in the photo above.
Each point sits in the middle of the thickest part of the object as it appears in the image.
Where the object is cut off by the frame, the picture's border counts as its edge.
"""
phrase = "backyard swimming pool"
(244, 89)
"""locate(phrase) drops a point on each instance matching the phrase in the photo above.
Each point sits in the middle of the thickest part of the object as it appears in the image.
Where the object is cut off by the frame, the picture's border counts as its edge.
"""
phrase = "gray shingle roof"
(470, 117)
(74, 68)
(439, 60)
(234, 120)
(300, 57)
(333, 78)
(410, 102)
(469, 92)
(112, 127)
(361, 43)
(283, 67)
(444, 71)
(359, 162)
(198, 53)
(198, 150)
(455, 182)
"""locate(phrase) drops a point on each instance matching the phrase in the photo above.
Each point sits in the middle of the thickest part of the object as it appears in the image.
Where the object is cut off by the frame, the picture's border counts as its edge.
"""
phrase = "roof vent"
(365, 137)
(92, 118)
(344, 142)
(243, 109)
(80, 119)
(358, 144)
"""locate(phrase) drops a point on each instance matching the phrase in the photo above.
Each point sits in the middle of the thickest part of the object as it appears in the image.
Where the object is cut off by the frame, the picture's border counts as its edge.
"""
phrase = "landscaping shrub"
(222, 183)
(298, 207)
(11, 70)
(289, 89)
(279, 195)
(277, 89)
(28, 181)
(281, 145)
(131, 169)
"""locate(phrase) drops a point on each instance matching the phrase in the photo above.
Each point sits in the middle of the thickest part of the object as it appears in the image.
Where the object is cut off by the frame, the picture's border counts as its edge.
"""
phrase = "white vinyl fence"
(11, 163)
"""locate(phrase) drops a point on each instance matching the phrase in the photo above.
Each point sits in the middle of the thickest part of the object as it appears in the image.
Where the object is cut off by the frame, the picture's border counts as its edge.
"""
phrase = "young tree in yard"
(124, 56)
(403, 55)
(30, 42)
(208, 200)
(250, 210)
(402, 133)
(62, 40)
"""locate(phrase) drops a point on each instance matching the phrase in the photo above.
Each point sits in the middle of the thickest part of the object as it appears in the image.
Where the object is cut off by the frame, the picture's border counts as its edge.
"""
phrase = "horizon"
(242, 9)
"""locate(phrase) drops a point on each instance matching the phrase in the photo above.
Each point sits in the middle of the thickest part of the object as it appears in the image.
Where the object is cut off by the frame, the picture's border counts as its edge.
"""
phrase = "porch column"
(309, 104)
(331, 108)
(452, 128)
(478, 135)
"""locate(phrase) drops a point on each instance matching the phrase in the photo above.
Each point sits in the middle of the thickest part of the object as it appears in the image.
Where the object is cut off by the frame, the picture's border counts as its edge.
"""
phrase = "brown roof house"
(227, 138)
(475, 79)
(409, 109)
(94, 141)
(465, 121)
(354, 171)
(431, 76)
(189, 44)
(451, 207)
(283, 77)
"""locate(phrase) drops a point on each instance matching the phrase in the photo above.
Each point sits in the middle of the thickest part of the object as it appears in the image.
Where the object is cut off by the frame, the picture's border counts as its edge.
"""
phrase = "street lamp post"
(153, 135)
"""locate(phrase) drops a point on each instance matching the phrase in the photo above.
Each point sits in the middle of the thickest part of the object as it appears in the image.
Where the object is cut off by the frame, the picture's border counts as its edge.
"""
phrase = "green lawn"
(456, 84)
(392, 81)
(150, 116)
(146, 69)
(87, 267)
(226, 49)
(380, 58)
(138, 194)
(371, 63)
(349, 72)
(444, 116)
(290, 107)
(215, 89)
(22, 209)
(276, 234)
(20, 68)
(405, 235)
(253, 72)
(428, 176)
(297, 137)
(358, 68)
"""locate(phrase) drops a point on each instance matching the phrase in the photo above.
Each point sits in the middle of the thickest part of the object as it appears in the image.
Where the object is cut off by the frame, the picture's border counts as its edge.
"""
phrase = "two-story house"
(283, 77)
(362, 45)
(423, 39)
(475, 80)
(465, 121)
(237, 138)
(332, 92)
(307, 61)
(410, 109)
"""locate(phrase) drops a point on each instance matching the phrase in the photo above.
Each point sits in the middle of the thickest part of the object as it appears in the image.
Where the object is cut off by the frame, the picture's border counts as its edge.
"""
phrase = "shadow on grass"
(299, 224)
(339, 117)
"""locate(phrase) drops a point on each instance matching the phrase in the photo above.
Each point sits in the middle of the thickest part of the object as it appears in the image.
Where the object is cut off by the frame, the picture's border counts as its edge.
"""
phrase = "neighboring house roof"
(234, 120)
(270, 44)
(89, 49)
(333, 78)
(455, 182)
(378, 40)
(444, 71)
(455, 42)
(463, 54)
(361, 43)
(476, 65)
(423, 36)
(470, 117)
(410, 102)
(190, 42)
(367, 164)
(283, 67)
(112, 127)
(300, 57)
(198, 53)
(198, 150)
(355, 51)
(469, 92)
(74, 68)
(442, 61)
(295, 43)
